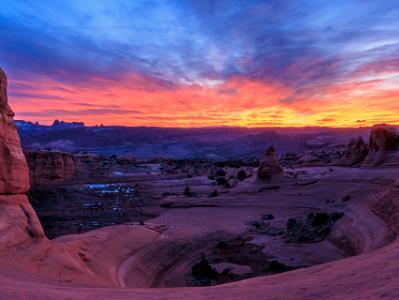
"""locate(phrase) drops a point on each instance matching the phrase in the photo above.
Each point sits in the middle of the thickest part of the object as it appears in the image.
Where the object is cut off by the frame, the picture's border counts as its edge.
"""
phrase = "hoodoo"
(269, 167)
(355, 153)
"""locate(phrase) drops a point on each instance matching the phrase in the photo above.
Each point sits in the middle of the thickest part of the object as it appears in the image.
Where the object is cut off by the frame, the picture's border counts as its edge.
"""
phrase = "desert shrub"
(221, 164)
(187, 192)
(241, 175)
(203, 270)
(214, 194)
(267, 217)
(222, 245)
(226, 271)
(320, 219)
(234, 163)
(346, 198)
(220, 172)
(276, 266)
(221, 180)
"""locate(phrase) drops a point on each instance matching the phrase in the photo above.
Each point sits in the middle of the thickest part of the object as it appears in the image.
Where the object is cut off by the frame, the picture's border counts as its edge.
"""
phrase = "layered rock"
(383, 143)
(13, 169)
(47, 167)
(18, 221)
(269, 167)
(355, 153)
(3, 92)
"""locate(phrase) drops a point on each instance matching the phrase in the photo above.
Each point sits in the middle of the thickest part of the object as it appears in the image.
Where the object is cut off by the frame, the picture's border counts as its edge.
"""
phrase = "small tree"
(187, 192)
(214, 194)
(241, 175)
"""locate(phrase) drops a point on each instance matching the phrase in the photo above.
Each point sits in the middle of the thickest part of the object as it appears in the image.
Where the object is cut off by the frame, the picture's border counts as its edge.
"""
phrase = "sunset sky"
(203, 63)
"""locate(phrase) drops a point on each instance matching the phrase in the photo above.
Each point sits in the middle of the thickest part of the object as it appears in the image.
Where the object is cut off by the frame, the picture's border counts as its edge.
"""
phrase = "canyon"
(319, 225)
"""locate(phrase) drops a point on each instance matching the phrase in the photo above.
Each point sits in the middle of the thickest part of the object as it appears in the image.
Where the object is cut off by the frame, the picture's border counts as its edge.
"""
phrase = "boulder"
(383, 142)
(355, 153)
(269, 167)
(47, 167)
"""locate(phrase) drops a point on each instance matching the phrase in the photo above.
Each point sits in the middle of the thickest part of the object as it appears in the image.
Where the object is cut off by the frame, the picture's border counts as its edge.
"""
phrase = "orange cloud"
(141, 101)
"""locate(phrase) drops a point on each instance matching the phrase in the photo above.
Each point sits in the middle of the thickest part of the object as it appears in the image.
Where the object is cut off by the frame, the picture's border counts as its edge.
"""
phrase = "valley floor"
(316, 233)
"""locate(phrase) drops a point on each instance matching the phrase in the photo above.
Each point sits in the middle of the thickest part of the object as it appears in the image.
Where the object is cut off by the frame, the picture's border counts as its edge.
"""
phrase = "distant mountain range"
(149, 142)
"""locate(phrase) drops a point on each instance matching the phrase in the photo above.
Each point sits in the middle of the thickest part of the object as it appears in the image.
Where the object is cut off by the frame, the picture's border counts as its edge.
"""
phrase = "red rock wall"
(48, 167)
(13, 168)
(18, 221)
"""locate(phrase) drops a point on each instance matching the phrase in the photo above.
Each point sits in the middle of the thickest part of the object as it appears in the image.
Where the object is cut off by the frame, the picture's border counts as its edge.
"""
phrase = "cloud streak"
(201, 63)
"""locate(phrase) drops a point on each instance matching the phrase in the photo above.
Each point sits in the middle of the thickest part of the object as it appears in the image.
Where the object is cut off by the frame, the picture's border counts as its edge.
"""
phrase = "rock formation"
(96, 263)
(269, 167)
(355, 153)
(308, 159)
(383, 141)
(18, 221)
(46, 167)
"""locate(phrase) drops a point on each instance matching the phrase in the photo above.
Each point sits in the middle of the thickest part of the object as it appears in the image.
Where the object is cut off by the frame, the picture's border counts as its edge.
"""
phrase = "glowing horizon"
(191, 64)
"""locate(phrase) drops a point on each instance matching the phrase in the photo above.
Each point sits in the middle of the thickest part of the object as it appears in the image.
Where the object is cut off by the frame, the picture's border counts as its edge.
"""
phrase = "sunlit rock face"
(383, 141)
(47, 167)
(18, 221)
(269, 167)
(3, 91)
(355, 153)
(13, 168)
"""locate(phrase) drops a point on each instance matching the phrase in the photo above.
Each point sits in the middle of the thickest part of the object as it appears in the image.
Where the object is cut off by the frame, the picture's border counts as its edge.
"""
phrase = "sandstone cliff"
(47, 167)
(18, 221)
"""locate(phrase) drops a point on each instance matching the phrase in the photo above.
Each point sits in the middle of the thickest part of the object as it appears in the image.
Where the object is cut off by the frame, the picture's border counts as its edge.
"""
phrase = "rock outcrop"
(308, 159)
(383, 143)
(47, 167)
(355, 153)
(13, 169)
(18, 221)
(269, 167)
